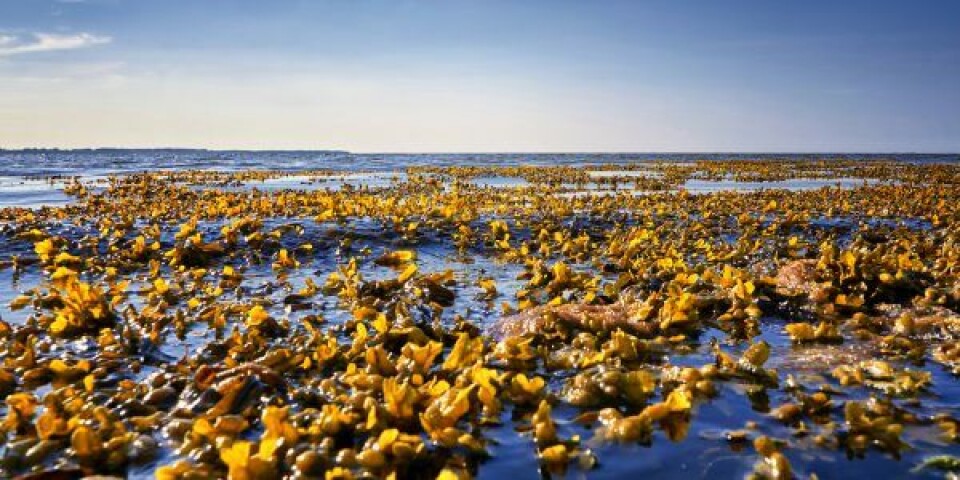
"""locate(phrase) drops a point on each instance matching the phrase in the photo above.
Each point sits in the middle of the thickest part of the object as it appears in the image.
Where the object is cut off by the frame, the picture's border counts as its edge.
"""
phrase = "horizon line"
(491, 152)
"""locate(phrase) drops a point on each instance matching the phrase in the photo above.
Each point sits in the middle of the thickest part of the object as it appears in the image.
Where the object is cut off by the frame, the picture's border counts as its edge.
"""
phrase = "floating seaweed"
(168, 322)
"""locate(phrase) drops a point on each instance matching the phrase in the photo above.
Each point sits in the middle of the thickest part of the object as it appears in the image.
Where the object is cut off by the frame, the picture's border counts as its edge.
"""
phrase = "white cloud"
(47, 42)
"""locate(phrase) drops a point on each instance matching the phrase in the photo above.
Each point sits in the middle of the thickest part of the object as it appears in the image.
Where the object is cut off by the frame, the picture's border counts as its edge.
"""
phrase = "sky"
(482, 76)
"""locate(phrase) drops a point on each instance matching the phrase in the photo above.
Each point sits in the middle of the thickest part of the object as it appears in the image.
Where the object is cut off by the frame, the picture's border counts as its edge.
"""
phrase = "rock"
(593, 318)
(798, 277)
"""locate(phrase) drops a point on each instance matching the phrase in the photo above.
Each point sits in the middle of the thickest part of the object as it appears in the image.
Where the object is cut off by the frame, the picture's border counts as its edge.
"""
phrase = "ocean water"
(35, 179)
(109, 161)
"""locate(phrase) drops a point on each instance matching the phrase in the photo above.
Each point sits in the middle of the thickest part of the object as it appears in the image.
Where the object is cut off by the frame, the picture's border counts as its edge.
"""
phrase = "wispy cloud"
(47, 42)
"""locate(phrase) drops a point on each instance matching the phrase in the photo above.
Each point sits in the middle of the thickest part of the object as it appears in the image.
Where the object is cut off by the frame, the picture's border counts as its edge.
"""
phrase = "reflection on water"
(623, 173)
(795, 184)
(30, 193)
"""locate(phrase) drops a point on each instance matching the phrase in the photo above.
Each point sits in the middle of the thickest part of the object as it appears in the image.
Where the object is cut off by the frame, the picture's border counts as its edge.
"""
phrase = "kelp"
(318, 333)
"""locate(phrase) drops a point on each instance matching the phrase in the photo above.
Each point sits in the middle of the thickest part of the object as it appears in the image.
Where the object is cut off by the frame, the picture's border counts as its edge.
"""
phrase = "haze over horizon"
(461, 76)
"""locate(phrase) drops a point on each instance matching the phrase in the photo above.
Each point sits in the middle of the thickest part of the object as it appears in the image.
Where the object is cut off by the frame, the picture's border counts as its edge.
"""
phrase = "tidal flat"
(573, 318)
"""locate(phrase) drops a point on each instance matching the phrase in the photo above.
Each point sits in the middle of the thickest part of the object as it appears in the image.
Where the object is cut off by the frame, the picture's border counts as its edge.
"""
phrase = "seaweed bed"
(767, 318)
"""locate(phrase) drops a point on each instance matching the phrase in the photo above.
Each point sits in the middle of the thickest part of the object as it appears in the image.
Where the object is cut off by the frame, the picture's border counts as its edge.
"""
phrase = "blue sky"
(870, 76)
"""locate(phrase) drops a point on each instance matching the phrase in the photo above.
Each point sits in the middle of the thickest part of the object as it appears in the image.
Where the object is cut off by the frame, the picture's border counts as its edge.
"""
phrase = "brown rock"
(593, 318)
(798, 275)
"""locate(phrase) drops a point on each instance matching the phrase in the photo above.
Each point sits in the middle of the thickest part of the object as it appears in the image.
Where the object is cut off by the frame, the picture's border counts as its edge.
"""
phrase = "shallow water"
(36, 178)
(703, 453)
(28, 193)
(796, 184)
